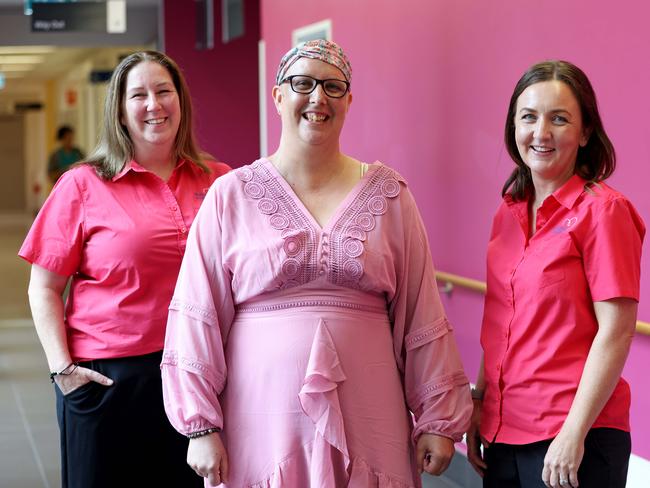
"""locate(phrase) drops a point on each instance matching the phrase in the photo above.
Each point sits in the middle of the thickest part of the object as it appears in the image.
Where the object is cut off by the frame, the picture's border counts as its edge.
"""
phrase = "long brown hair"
(115, 146)
(595, 161)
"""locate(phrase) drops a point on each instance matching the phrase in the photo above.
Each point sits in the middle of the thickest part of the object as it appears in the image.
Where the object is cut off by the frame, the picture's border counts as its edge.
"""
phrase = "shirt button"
(321, 272)
(183, 230)
(174, 209)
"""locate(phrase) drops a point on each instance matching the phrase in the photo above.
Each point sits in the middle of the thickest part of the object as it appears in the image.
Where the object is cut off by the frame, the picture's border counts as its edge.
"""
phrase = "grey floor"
(29, 453)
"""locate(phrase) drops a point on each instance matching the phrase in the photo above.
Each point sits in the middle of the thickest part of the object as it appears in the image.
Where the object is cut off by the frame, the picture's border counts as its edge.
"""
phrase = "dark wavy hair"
(596, 161)
(115, 146)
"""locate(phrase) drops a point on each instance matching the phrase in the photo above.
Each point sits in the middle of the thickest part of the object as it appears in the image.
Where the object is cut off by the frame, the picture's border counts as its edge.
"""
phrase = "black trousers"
(119, 436)
(604, 465)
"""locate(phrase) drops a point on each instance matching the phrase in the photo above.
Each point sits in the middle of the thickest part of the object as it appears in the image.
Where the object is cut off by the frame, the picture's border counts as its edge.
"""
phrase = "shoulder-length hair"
(595, 161)
(115, 147)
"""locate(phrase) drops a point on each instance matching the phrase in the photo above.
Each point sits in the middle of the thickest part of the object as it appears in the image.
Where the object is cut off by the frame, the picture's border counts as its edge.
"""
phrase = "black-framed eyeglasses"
(306, 84)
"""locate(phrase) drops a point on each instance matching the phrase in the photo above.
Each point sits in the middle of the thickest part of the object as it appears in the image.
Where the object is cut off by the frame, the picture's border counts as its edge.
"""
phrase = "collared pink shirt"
(539, 321)
(122, 241)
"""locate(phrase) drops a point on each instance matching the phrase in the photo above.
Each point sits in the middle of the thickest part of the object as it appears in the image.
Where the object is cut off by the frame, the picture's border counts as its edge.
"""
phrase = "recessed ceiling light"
(27, 49)
(21, 59)
(15, 67)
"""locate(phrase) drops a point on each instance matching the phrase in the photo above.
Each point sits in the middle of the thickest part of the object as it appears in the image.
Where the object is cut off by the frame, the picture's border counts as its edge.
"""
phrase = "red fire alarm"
(71, 97)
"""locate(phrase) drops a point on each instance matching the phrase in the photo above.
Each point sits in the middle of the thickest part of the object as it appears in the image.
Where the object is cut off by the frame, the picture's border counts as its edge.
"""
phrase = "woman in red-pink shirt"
(116, 227)
(550, 406)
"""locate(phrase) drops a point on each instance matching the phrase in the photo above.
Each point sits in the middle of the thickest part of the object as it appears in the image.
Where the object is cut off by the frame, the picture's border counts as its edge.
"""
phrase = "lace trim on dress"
(297, 303)
(299, 265)
(209, 317)
(194, 366)
(344, 247)
(435, 387)
(428, 334)
(358, 219)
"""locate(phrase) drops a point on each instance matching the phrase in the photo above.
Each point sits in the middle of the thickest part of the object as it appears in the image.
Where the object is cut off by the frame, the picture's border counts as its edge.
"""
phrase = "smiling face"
(549, 130)
(151, 108)
(313, 118)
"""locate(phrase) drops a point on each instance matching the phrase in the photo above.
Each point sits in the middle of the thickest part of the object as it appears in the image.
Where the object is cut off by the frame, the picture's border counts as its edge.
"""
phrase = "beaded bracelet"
(201, 433)
(64, 371)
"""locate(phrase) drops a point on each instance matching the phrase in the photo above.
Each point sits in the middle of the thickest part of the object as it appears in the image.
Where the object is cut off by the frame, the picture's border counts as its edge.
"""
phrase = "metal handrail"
(451, 279)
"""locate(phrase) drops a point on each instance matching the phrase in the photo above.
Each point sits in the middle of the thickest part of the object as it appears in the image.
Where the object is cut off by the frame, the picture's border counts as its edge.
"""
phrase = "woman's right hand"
(474, 441)
(80, 376)
(208, 458)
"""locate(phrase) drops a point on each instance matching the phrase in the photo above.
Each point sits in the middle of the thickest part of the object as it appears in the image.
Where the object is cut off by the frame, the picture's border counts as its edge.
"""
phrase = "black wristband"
(201, 433)
(69, 369)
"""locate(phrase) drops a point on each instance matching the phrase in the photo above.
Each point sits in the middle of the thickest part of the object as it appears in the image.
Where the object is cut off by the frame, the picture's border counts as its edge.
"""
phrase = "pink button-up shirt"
(539, 321)
(122, 241)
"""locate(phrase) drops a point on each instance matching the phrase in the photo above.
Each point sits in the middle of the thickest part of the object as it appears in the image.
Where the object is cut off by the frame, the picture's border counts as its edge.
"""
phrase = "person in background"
(306, 321)
(563, 272)
(65, 156)
(116, 226)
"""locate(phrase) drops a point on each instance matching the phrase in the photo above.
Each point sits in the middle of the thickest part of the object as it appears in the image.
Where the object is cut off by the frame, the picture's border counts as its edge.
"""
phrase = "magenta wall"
(223, 81)
(431, 84)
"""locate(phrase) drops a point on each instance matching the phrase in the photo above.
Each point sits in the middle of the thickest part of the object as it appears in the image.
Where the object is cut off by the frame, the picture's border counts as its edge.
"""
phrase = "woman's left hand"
(434, 453)
(562, 461)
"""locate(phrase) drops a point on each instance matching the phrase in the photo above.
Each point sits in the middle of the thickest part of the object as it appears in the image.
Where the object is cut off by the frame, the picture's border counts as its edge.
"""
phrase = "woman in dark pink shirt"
(116, 226)
(550, 406)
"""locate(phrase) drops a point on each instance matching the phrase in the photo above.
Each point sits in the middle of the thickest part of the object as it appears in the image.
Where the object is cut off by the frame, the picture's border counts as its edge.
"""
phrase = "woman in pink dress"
(306, 342)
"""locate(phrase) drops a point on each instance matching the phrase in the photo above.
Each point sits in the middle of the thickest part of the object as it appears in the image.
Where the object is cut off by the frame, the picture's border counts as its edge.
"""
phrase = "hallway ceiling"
(38, 62)
(42, 62)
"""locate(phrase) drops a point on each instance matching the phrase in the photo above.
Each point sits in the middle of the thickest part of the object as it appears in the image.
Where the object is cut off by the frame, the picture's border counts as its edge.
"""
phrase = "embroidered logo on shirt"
(570, 222)
(565, 226)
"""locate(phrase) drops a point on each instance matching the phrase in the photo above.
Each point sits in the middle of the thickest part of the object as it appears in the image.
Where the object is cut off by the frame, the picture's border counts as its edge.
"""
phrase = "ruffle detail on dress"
(364, 476)
(319, 397)
(293, 471)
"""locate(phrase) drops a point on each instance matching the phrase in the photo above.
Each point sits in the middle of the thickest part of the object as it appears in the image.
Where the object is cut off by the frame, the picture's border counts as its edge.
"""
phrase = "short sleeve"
(612, 251)
(55, 240)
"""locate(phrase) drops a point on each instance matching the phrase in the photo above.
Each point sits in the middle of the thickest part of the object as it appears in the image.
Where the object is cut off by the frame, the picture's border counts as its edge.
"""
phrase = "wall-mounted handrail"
(450, 280)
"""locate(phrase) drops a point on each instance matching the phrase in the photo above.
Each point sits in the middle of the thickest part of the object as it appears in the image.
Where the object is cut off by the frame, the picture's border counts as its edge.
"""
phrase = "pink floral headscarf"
(327, 51)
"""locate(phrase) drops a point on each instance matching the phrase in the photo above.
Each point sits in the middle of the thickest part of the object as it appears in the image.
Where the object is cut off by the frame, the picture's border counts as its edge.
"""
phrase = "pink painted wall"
(223, 81)
(431, 84)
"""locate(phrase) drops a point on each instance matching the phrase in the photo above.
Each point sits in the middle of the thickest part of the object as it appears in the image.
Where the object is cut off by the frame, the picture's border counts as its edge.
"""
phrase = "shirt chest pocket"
(551, 277)
(551, 257)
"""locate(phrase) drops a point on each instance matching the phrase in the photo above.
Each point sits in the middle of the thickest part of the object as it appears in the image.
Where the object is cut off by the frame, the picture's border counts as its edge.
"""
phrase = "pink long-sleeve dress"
(322, 352)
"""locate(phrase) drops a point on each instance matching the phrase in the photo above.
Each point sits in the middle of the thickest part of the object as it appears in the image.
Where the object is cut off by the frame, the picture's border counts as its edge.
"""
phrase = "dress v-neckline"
(340, 208)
